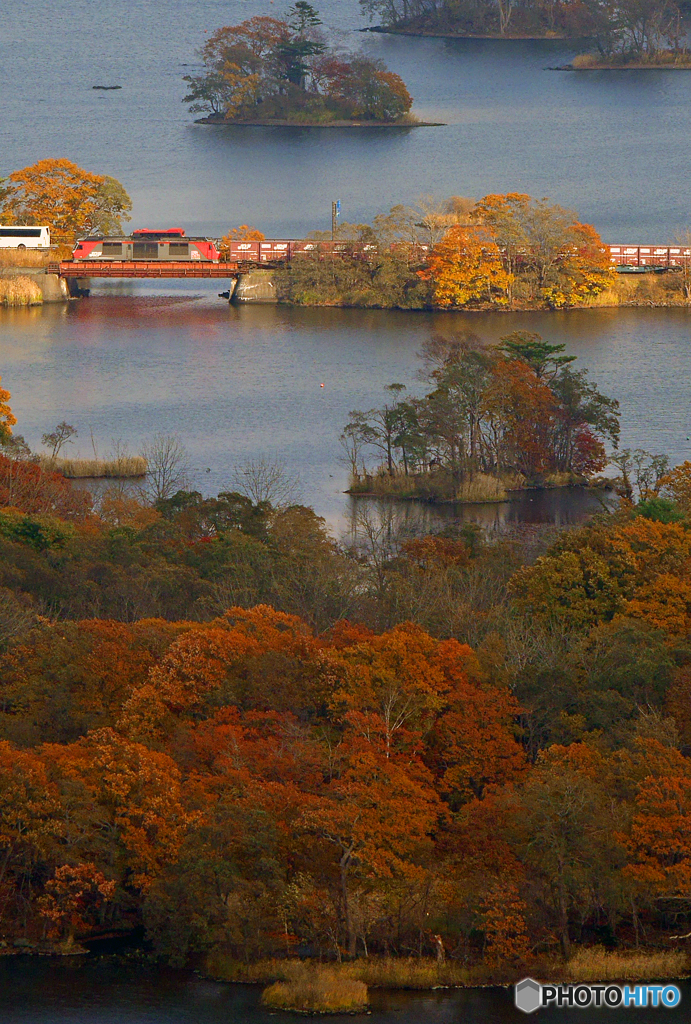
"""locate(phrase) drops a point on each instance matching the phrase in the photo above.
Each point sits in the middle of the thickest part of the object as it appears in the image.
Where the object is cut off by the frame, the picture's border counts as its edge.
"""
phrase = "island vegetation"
(444, 759)
(497, 420)
(267, 70)
(624, 32)
(505, 251)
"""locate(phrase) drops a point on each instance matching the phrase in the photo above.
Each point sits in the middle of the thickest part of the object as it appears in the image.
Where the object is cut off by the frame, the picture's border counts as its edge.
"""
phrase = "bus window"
(24, 237)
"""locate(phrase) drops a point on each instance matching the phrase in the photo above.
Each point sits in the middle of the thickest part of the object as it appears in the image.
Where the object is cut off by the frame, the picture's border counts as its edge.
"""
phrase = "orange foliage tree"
(7, 420)
(466, 268)
(35, 491)
(74, 897)
(520, 411)
(558, 260)
(243, 233)
(62, 195)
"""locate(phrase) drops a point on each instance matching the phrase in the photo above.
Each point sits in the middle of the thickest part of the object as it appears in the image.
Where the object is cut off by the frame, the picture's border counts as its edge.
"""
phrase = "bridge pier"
(53, 287)
(255, 286)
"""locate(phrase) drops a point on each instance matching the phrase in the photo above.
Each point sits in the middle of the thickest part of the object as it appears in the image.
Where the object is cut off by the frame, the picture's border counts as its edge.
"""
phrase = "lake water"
(236, 383)
(81, 991)
(613, 145)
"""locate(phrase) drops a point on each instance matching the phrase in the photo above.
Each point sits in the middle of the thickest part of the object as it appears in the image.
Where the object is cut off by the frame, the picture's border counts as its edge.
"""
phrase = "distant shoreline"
(624, 67)
(275, 123)
(429, 34)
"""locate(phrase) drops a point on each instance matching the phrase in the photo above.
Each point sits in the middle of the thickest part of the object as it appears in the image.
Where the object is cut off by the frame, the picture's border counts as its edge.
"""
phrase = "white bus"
(24, 237)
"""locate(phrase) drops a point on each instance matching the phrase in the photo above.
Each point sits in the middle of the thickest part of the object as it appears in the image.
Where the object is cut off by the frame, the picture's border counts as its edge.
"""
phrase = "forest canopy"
(221, 725)
(271, 69)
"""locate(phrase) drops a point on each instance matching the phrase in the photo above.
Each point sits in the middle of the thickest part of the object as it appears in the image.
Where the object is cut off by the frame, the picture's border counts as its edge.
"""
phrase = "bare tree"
(684, 240)
(167, 467)
(59, 437)
(641, 472)
(268, 479)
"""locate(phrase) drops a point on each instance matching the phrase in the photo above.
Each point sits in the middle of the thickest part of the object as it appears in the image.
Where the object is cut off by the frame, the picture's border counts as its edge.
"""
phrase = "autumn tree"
(243, 233)
(466, 268)
(70, 200)
(544, 249)
(73, 898)
(7, 420)
(377, 815)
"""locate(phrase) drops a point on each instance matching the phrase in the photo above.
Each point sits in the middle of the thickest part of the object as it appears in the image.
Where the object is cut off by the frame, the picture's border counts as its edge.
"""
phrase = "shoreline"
(426, 975)
(503, 496)
(624, 67)
(275, 123)
(429, 34)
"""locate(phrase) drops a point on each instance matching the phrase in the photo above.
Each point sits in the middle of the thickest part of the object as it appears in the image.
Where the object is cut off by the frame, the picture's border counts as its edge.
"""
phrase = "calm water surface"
(241, 382)
(614, 145)
(42, 991)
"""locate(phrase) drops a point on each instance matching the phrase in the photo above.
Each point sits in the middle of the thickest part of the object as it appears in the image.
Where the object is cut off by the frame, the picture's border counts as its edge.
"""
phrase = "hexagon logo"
(527, 995)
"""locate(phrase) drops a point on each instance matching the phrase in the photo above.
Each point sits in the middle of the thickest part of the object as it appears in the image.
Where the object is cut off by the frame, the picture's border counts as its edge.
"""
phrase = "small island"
(497, 420)
(267, 71)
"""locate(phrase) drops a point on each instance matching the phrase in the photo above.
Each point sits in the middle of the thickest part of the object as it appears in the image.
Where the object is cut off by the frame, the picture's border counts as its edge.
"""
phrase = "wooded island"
(265, 70)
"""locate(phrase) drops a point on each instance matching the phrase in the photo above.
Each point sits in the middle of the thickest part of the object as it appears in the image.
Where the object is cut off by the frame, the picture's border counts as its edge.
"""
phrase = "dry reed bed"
(35, 258)
(317, 989)
(125, 468)
(374, 972)
(586, 965)
(481, 488)
(597, 964)
(20, 291)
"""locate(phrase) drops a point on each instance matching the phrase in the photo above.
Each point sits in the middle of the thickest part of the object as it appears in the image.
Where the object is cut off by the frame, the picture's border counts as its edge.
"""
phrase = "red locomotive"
(145, 244)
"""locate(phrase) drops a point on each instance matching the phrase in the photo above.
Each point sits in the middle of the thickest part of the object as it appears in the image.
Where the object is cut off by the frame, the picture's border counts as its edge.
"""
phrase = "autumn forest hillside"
(221, 726)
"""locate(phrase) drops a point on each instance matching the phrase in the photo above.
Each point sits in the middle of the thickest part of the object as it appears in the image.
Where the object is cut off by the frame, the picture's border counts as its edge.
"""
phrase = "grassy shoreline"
(131, 467)
(586, 965)
(665, 61)
(481, 489)
(20, 290)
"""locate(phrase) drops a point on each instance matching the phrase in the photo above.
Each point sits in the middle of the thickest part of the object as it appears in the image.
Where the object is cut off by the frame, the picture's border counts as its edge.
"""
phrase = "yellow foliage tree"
(7, 420)
(243, 233)
(466, 267)
(62, 195)
(584, 271)
(677, 485)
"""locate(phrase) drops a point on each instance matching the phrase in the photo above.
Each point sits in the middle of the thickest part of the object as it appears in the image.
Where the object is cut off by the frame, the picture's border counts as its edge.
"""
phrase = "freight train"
(172, 245)
(649, 257)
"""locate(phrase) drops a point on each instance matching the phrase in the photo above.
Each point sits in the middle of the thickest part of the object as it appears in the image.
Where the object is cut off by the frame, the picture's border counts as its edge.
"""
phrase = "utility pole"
(335, 217)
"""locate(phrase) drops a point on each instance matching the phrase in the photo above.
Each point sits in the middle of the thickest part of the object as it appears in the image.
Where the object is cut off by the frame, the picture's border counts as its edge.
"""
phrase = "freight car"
(144, 244)
(281, 250)
(641, 258)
